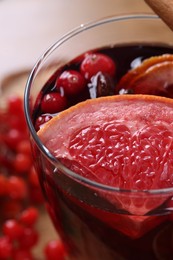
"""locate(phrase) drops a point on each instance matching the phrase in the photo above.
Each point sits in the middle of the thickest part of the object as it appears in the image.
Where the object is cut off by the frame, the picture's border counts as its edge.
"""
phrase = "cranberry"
(41, 120)
(55, 249)
(97, 62)
(11, 208)
(71, 81)
(22, 162)
(3, 185)
(29, 216)
(15, 110)
(5, 247)
(53, 103)
(17, 187)
(29, 238)
(17, 121)
(13, 137)
(24, 147)
(15, 105)
(80, 58)
(22, 254)
(12, 229)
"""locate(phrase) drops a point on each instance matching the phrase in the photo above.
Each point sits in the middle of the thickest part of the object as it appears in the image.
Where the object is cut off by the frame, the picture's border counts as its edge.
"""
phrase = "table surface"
(29, 27)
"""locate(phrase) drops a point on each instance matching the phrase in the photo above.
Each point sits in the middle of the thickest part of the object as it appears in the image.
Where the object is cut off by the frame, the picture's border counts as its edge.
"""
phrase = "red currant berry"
(97, 62)
(12, 229)
(53, 103)
(71, 81)
(55, 249)
(41, 120)
(17, 187)
(29, 216)
(5, 248)
(29, 238)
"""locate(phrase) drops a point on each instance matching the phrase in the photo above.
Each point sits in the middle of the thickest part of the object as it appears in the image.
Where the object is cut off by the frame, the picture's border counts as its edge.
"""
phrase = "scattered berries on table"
(20, 194)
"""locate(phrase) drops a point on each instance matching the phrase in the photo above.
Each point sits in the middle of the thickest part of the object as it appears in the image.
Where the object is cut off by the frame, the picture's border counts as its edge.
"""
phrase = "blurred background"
(28, 27)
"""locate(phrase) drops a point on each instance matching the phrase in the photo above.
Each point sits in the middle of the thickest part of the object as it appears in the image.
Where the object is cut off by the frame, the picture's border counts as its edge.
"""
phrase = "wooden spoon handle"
(164, 9)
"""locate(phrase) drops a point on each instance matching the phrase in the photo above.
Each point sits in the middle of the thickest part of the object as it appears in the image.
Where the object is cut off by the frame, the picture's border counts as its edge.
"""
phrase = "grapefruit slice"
(154, 76)
(123, 141)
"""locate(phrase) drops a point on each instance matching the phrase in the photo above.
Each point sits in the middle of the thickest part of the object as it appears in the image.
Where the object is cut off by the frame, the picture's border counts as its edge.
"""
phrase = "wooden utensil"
(164, 9)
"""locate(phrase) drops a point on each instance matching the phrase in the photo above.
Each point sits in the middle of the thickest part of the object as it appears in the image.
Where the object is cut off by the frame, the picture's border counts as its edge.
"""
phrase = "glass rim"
(32, 131)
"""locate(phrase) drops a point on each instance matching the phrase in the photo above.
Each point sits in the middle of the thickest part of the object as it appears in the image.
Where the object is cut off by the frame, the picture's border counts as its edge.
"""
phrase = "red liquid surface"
(90, 226)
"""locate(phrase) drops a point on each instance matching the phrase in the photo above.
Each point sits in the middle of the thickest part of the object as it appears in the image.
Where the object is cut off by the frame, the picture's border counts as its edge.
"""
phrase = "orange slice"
(154, 76)
(123, 141)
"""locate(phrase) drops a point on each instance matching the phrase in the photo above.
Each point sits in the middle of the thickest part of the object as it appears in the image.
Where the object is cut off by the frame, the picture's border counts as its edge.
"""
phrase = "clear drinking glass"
(90, 226)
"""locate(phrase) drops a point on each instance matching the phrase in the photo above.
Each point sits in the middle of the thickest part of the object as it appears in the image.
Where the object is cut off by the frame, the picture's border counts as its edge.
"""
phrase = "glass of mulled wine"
(97, 220)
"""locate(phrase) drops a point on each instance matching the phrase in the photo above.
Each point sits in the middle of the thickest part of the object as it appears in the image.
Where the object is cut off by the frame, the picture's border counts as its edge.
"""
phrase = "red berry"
(3, 185)
(71, 81)
(12, 229)
(13, 137)
(97, 62)
(17, 122)
(24, 147)
(55, 249)
(29, 238)
(17, 187)
(41, 120)
(29, 216)
(5, 248)
(16, 114)
(11, 208)
(81, 57)
(15, 105)
(22, 254)
(22, 162)
(53, 103)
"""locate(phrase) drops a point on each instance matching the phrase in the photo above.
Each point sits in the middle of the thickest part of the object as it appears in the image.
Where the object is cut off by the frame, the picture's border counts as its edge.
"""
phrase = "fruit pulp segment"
(129, 139)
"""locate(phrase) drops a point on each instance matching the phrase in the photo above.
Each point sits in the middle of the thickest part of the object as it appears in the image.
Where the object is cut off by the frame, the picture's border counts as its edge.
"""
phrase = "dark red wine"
(125, 58)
